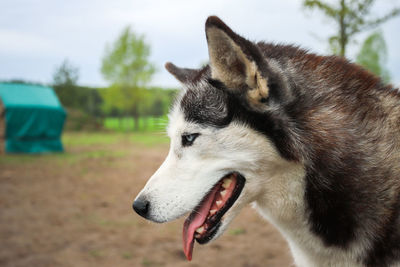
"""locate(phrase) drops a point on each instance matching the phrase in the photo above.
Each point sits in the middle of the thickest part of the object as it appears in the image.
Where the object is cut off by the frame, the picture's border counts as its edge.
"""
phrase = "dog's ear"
(182, 74)
(236, 62)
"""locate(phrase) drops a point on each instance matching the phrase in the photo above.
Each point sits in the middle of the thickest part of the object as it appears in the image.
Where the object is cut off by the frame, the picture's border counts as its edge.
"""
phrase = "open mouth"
(203, 223)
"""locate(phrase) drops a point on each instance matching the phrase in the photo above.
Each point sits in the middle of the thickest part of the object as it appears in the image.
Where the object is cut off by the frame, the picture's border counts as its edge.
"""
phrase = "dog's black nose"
(141, 207)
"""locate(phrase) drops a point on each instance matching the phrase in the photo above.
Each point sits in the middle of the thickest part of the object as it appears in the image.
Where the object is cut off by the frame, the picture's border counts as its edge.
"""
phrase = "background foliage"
(350, 18)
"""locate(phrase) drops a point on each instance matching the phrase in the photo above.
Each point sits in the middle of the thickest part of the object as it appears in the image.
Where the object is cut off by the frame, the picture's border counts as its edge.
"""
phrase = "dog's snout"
(141, 206)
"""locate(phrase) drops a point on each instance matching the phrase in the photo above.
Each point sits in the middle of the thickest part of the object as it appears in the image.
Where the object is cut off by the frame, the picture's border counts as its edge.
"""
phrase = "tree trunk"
(145, 123)
(119, 122)
(136, 119)
(342, 25)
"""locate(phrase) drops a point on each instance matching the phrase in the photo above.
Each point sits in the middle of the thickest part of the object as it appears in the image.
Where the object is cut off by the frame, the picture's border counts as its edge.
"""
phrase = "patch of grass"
(147, 263)
(95, 253)
(104, 153)
(70, 139)
(237, 231)
(61, 158)
(17, 159)
(149, 139)
(146, 124)
(88, 140)
(127, 255)
(72, 158)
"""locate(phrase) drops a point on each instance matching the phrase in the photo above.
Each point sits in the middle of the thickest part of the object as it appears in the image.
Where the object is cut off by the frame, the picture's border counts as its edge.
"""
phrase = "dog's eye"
(188, 139)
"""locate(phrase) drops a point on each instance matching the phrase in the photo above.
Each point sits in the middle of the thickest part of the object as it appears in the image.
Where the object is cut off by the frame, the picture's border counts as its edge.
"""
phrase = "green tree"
(73, 96)
(351, 17)
(66, 74)
(65, 78)
(126, 66)
(373, 55)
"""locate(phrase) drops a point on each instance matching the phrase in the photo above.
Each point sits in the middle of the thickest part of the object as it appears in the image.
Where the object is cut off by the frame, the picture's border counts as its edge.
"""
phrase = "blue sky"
(36, 36)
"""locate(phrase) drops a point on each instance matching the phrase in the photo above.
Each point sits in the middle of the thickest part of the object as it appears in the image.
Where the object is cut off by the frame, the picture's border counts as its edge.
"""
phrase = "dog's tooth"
(226, 182)
(200, 230)
(212, 212)
(218, 202)
(223, 193)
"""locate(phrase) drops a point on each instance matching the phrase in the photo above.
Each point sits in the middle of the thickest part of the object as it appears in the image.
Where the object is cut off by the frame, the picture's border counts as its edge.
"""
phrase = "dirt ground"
(74, 209)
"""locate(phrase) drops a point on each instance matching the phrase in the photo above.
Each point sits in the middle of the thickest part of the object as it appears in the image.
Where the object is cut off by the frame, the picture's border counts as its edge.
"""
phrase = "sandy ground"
(75, 210)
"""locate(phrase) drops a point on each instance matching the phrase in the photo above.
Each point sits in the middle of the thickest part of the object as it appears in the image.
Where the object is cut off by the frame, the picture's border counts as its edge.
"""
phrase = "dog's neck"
(283, 205)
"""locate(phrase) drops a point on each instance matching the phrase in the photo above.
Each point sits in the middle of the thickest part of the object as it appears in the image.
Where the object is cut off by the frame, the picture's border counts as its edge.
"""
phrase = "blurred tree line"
(127, 68)
(89, 107)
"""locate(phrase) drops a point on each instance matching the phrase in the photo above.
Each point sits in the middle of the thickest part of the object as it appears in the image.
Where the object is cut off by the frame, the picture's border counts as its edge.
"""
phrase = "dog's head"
(226, 147)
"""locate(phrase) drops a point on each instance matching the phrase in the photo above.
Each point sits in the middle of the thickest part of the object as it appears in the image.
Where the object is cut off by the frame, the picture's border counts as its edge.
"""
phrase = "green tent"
(33, 118)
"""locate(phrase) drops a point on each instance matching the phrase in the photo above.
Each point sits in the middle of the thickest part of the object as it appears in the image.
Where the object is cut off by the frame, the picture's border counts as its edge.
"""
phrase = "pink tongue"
(194, 221)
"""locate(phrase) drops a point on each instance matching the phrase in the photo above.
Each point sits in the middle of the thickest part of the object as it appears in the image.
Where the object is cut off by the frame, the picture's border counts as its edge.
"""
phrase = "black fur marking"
(217, 84)
(267, 124)
(218, 107)
(330, 206)
(207, 108)
(386, 248)
(273, 90)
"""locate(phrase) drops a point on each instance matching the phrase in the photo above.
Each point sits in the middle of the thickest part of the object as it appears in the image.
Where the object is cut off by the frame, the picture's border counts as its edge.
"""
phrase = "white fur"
(275, 186)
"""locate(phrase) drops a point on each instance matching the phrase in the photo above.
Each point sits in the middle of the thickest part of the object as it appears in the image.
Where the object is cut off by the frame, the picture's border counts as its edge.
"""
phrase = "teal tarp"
(34, 118)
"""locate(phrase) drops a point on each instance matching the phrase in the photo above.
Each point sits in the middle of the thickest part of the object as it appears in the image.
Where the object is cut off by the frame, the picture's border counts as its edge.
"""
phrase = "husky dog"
(312, 141)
